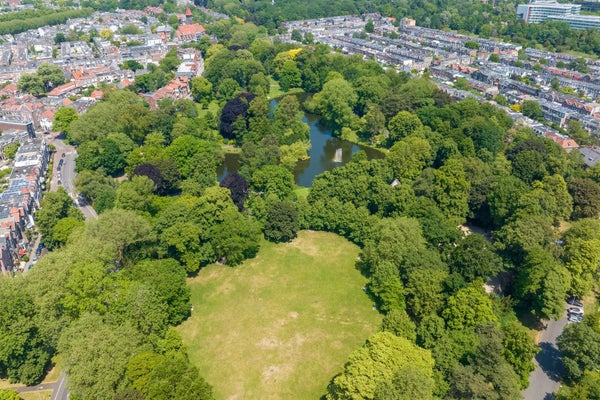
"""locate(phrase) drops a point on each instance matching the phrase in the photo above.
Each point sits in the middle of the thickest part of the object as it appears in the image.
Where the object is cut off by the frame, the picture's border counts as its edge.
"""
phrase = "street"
(545, 380)
(67, 174)
(60, 390)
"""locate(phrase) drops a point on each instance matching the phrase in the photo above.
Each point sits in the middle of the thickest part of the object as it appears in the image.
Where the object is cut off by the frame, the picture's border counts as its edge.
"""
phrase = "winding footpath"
(545, 380)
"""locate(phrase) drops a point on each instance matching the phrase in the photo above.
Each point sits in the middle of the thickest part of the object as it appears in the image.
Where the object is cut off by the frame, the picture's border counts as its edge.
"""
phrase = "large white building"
(581, 22)
(540, 11)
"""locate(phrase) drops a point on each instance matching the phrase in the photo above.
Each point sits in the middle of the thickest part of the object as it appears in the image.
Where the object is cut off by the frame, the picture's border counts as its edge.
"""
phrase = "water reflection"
(322, 154)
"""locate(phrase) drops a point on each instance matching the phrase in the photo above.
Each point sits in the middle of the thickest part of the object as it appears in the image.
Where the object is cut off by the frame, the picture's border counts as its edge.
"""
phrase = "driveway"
(545, 380)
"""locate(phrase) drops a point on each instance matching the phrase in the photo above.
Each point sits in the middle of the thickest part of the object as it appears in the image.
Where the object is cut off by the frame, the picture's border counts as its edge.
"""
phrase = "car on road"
(575, 311)
(574, 302)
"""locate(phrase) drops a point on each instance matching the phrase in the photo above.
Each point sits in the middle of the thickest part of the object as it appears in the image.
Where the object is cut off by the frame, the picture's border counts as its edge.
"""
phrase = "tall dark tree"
(238, 186)
(233, 110)
(151, 172)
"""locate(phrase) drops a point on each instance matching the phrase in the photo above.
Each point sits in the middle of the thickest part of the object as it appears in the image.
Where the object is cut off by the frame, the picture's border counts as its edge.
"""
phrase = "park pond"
(326, 153)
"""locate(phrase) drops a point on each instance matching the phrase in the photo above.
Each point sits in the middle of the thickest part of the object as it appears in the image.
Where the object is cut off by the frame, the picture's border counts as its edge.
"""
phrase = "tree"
(392, 240)
(53, 207)
(335, 103)
(51, 75)
(474, 258)
(152, 172)
(451, 190)
(472, 45)
(532, 109)
(402, 125)
(95, 356)
(234, 115)
(63, 118)
(290, 76)
(237, 238)
(238, 188)
(469, 307)
(135, 194)
(296, 35)
(377, 363)
(64, 228)
(386, 287)
(167, 278)
(282, 222)
(586, 198)
(542, 284)
(25, 351)
(92, 183)
(31, 83)
(519, 350)
(486, 368)
(275, 180)
(399, 323)
(7, 394)
(369, 26)
(111, 157)
(494, 57)
(461, 83)
(121, 233)
(587, 388)
(579, 345)
(202, 90)
(168, 376)
(582, 254)
(10, 150)
(501, 100)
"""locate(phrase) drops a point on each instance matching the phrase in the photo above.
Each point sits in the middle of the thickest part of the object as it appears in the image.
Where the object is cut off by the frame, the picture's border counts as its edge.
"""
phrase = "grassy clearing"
(302, 192)
(39, 395)
(279, 326)
(275, 90)
(213, 107)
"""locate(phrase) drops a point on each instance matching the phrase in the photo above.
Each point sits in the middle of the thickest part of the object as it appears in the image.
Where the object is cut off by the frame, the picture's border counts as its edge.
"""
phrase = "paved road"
(545, 380)
(35, 388)
(60, 391)
(67, 173)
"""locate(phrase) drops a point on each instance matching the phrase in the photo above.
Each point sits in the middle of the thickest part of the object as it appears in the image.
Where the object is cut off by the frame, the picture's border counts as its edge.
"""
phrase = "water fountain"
(338, 155)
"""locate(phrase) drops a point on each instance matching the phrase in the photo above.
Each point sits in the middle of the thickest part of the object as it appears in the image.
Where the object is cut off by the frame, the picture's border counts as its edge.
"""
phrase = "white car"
(575, 311)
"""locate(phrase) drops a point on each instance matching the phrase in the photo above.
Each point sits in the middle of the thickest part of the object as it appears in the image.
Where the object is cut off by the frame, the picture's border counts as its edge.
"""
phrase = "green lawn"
(281, 325)
(276, 92)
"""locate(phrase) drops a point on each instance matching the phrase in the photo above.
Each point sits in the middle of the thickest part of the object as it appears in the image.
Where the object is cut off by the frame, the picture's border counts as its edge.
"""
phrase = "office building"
(540, 11)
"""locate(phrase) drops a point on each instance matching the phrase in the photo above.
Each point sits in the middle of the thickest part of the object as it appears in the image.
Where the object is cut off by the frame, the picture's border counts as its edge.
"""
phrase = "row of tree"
(24, 21)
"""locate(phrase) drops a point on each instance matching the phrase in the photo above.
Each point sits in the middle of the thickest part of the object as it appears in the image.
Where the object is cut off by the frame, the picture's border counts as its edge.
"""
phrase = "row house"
(62, 91)
(20, 200)
(25, 108)
(573, 103)
(556, 113)
(192, 63)
(563, 141)
(189, 33)
(177, 88)
(590, 124)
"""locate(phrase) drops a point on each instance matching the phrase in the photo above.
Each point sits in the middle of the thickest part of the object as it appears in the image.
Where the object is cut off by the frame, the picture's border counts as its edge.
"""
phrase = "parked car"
(575, 311)
(62, 155)
(574, 302)
(59, 182)
(575, 318)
